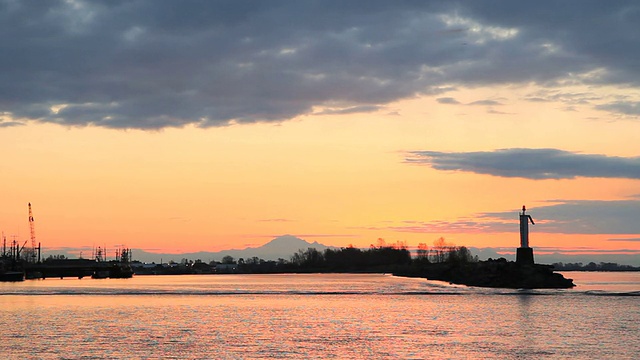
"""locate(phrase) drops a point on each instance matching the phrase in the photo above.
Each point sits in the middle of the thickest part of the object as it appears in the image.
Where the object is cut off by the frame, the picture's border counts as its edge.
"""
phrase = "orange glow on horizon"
(340, 178)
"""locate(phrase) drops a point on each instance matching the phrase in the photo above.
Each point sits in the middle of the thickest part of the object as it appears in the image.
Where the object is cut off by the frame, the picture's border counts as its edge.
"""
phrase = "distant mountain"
(287, 245)
(281, 247)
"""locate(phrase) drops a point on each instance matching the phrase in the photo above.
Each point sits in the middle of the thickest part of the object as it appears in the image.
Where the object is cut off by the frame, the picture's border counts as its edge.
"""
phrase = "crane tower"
(33, 235)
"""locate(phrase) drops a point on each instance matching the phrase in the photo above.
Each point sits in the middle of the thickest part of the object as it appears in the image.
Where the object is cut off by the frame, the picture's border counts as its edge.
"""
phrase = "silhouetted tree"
(310, 258)
(422, 254)
(459, 255)
(55, 257)
(439, 250)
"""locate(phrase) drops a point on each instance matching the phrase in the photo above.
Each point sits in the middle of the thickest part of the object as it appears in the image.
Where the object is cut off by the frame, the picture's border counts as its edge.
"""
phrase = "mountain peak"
(290, 242)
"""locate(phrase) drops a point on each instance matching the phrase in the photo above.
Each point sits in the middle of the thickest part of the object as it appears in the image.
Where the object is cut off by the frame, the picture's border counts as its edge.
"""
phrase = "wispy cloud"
(485, 103)
(454, 226)
(324, 235)
(536, 164)
(10, 124)
(583, 217)
(568, 251)
(569, 98)
(563, 217)
(496, 112)
(302, 236)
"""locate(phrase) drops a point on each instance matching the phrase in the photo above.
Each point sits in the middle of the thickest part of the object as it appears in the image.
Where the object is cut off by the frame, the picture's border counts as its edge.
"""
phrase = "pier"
(20, 262)
(78, 268)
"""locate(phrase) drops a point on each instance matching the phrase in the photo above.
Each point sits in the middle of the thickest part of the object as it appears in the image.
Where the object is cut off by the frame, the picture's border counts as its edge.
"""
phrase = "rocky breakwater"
(498, 273)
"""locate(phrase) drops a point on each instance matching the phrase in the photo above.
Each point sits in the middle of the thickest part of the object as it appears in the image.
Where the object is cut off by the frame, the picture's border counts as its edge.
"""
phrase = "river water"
(314, 316)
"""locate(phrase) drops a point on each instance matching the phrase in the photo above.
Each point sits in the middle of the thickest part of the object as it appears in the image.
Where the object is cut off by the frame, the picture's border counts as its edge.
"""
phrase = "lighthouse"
(524, 254)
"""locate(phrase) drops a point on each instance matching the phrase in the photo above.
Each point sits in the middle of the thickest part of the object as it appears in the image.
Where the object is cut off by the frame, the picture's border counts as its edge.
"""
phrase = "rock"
(498, 273)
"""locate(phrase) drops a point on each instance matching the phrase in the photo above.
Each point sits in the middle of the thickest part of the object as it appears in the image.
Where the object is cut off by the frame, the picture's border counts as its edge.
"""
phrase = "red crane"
(33, 234)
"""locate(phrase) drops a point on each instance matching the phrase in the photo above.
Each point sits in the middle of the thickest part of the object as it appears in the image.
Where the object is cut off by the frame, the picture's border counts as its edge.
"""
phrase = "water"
(338, 316)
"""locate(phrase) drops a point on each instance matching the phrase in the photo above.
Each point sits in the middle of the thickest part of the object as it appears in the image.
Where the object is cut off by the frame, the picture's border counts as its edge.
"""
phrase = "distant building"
(226, 268)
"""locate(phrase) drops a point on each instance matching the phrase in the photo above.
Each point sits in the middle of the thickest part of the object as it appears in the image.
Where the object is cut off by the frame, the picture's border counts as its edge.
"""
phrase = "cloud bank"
(583, 217)
(150, 64)
(566, 217)
(536, 164)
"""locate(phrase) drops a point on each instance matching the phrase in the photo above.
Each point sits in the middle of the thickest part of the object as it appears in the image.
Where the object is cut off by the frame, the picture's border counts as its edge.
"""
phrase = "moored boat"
(12, 276)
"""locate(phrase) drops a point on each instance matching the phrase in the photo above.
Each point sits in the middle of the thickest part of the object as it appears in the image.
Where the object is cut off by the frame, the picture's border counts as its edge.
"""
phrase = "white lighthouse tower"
(524, 254)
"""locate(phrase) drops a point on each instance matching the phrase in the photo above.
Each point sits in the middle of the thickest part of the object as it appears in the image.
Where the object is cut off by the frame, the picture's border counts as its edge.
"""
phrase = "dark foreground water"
(317, 316)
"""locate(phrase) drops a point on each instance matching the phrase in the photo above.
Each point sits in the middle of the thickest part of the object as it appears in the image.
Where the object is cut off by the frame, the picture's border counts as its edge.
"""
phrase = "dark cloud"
(631, 108)
(536, 164)
(447, 100)
(625, 240)
(150, 64)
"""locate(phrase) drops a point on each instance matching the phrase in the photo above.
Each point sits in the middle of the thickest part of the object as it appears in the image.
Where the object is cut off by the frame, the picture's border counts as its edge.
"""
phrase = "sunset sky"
(180, 126)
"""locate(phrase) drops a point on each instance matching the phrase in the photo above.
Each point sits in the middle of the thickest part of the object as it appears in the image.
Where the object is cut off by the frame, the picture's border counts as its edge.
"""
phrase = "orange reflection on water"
(306, 316)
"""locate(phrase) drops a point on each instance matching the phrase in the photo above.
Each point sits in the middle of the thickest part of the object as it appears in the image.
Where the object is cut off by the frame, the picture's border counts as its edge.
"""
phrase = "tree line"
(592, 266)
(381, 257)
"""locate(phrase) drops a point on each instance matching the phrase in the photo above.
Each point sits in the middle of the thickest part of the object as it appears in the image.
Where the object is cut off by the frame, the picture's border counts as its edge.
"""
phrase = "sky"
(181, 126)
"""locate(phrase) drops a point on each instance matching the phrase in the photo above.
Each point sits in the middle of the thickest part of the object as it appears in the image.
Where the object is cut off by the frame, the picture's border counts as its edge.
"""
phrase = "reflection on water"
(310, 316)
(605, 282)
